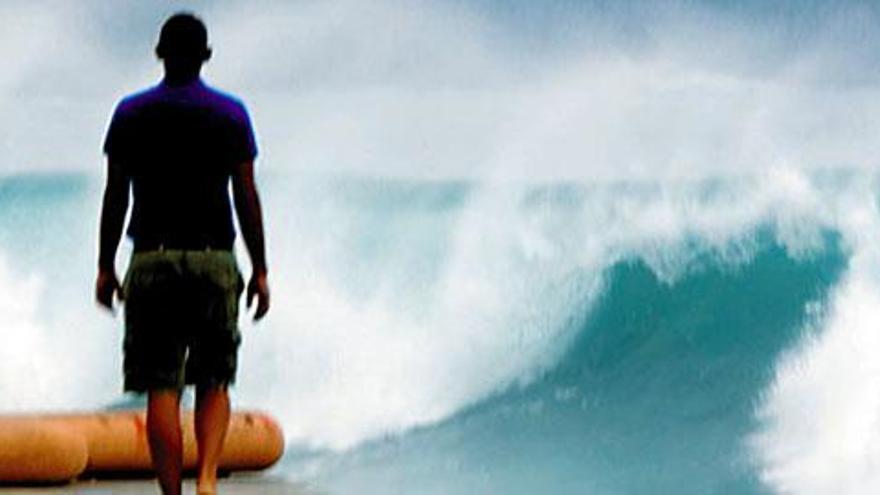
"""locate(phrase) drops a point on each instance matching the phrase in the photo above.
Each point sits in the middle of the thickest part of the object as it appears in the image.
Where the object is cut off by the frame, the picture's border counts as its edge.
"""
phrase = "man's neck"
(180, 79)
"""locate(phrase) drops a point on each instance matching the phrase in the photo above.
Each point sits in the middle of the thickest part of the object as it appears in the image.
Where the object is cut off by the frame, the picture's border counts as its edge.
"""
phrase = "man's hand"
(106, 286)
(259, 287)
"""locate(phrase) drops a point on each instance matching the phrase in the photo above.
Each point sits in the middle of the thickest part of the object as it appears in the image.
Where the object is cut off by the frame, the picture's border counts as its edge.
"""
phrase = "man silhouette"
(177, 146)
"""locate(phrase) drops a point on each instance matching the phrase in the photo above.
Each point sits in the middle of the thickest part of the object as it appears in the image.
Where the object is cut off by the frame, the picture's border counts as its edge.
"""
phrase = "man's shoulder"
(200, 95)
(132, 102)
(226, 102)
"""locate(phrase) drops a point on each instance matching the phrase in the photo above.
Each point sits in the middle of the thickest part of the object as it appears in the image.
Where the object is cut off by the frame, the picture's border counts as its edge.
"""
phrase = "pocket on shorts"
(221, 269)
(221, 281)
(148, 273)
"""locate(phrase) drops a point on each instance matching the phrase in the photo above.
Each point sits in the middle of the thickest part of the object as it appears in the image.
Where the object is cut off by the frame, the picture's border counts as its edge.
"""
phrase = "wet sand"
(233, 485)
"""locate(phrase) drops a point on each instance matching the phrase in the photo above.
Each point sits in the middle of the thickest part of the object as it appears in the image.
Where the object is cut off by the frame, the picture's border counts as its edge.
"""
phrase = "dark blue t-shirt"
(179, 145)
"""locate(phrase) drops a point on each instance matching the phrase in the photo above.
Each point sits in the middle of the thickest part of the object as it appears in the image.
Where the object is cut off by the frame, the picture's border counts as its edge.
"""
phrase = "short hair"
(183, 35)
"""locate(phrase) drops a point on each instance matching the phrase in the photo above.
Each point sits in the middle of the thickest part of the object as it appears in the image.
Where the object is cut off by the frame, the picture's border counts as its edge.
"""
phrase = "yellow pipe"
(53, 448)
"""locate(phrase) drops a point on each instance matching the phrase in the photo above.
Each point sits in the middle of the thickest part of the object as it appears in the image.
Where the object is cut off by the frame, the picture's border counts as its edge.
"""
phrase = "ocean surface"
(456, 337)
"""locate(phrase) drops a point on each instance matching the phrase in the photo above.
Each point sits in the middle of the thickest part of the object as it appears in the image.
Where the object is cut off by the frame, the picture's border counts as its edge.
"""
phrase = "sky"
(480, 89)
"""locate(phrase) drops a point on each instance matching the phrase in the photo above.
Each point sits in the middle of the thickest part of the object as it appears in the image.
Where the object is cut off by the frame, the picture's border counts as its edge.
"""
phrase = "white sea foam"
(821, 416)
(372, 340)
(46, 362)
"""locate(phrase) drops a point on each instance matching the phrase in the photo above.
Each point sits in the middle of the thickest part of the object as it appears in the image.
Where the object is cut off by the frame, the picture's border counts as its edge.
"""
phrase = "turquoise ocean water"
(463, 337)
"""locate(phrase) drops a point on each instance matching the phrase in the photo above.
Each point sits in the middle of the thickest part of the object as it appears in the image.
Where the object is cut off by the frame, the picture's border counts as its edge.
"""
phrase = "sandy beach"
(233, 485)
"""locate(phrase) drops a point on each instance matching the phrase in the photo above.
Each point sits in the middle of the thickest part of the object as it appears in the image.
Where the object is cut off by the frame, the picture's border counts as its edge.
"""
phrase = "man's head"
(183, 43)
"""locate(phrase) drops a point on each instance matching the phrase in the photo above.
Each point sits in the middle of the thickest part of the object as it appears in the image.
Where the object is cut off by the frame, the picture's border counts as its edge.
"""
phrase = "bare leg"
(163, 432)
(212, 421)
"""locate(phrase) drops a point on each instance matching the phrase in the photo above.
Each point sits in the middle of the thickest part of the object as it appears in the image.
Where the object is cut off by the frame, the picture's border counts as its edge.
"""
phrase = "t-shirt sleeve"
(116, 140)
(244, 143)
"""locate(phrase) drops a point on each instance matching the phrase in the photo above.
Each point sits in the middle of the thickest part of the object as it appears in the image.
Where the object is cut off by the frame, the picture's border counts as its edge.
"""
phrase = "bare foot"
(206, 486)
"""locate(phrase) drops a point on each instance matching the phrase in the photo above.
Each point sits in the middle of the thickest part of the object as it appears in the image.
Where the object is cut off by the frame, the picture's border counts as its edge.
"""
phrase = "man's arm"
(250, 218)
(113, 210)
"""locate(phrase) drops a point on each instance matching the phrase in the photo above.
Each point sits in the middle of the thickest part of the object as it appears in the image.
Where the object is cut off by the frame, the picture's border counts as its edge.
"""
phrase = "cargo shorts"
(181, 319)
